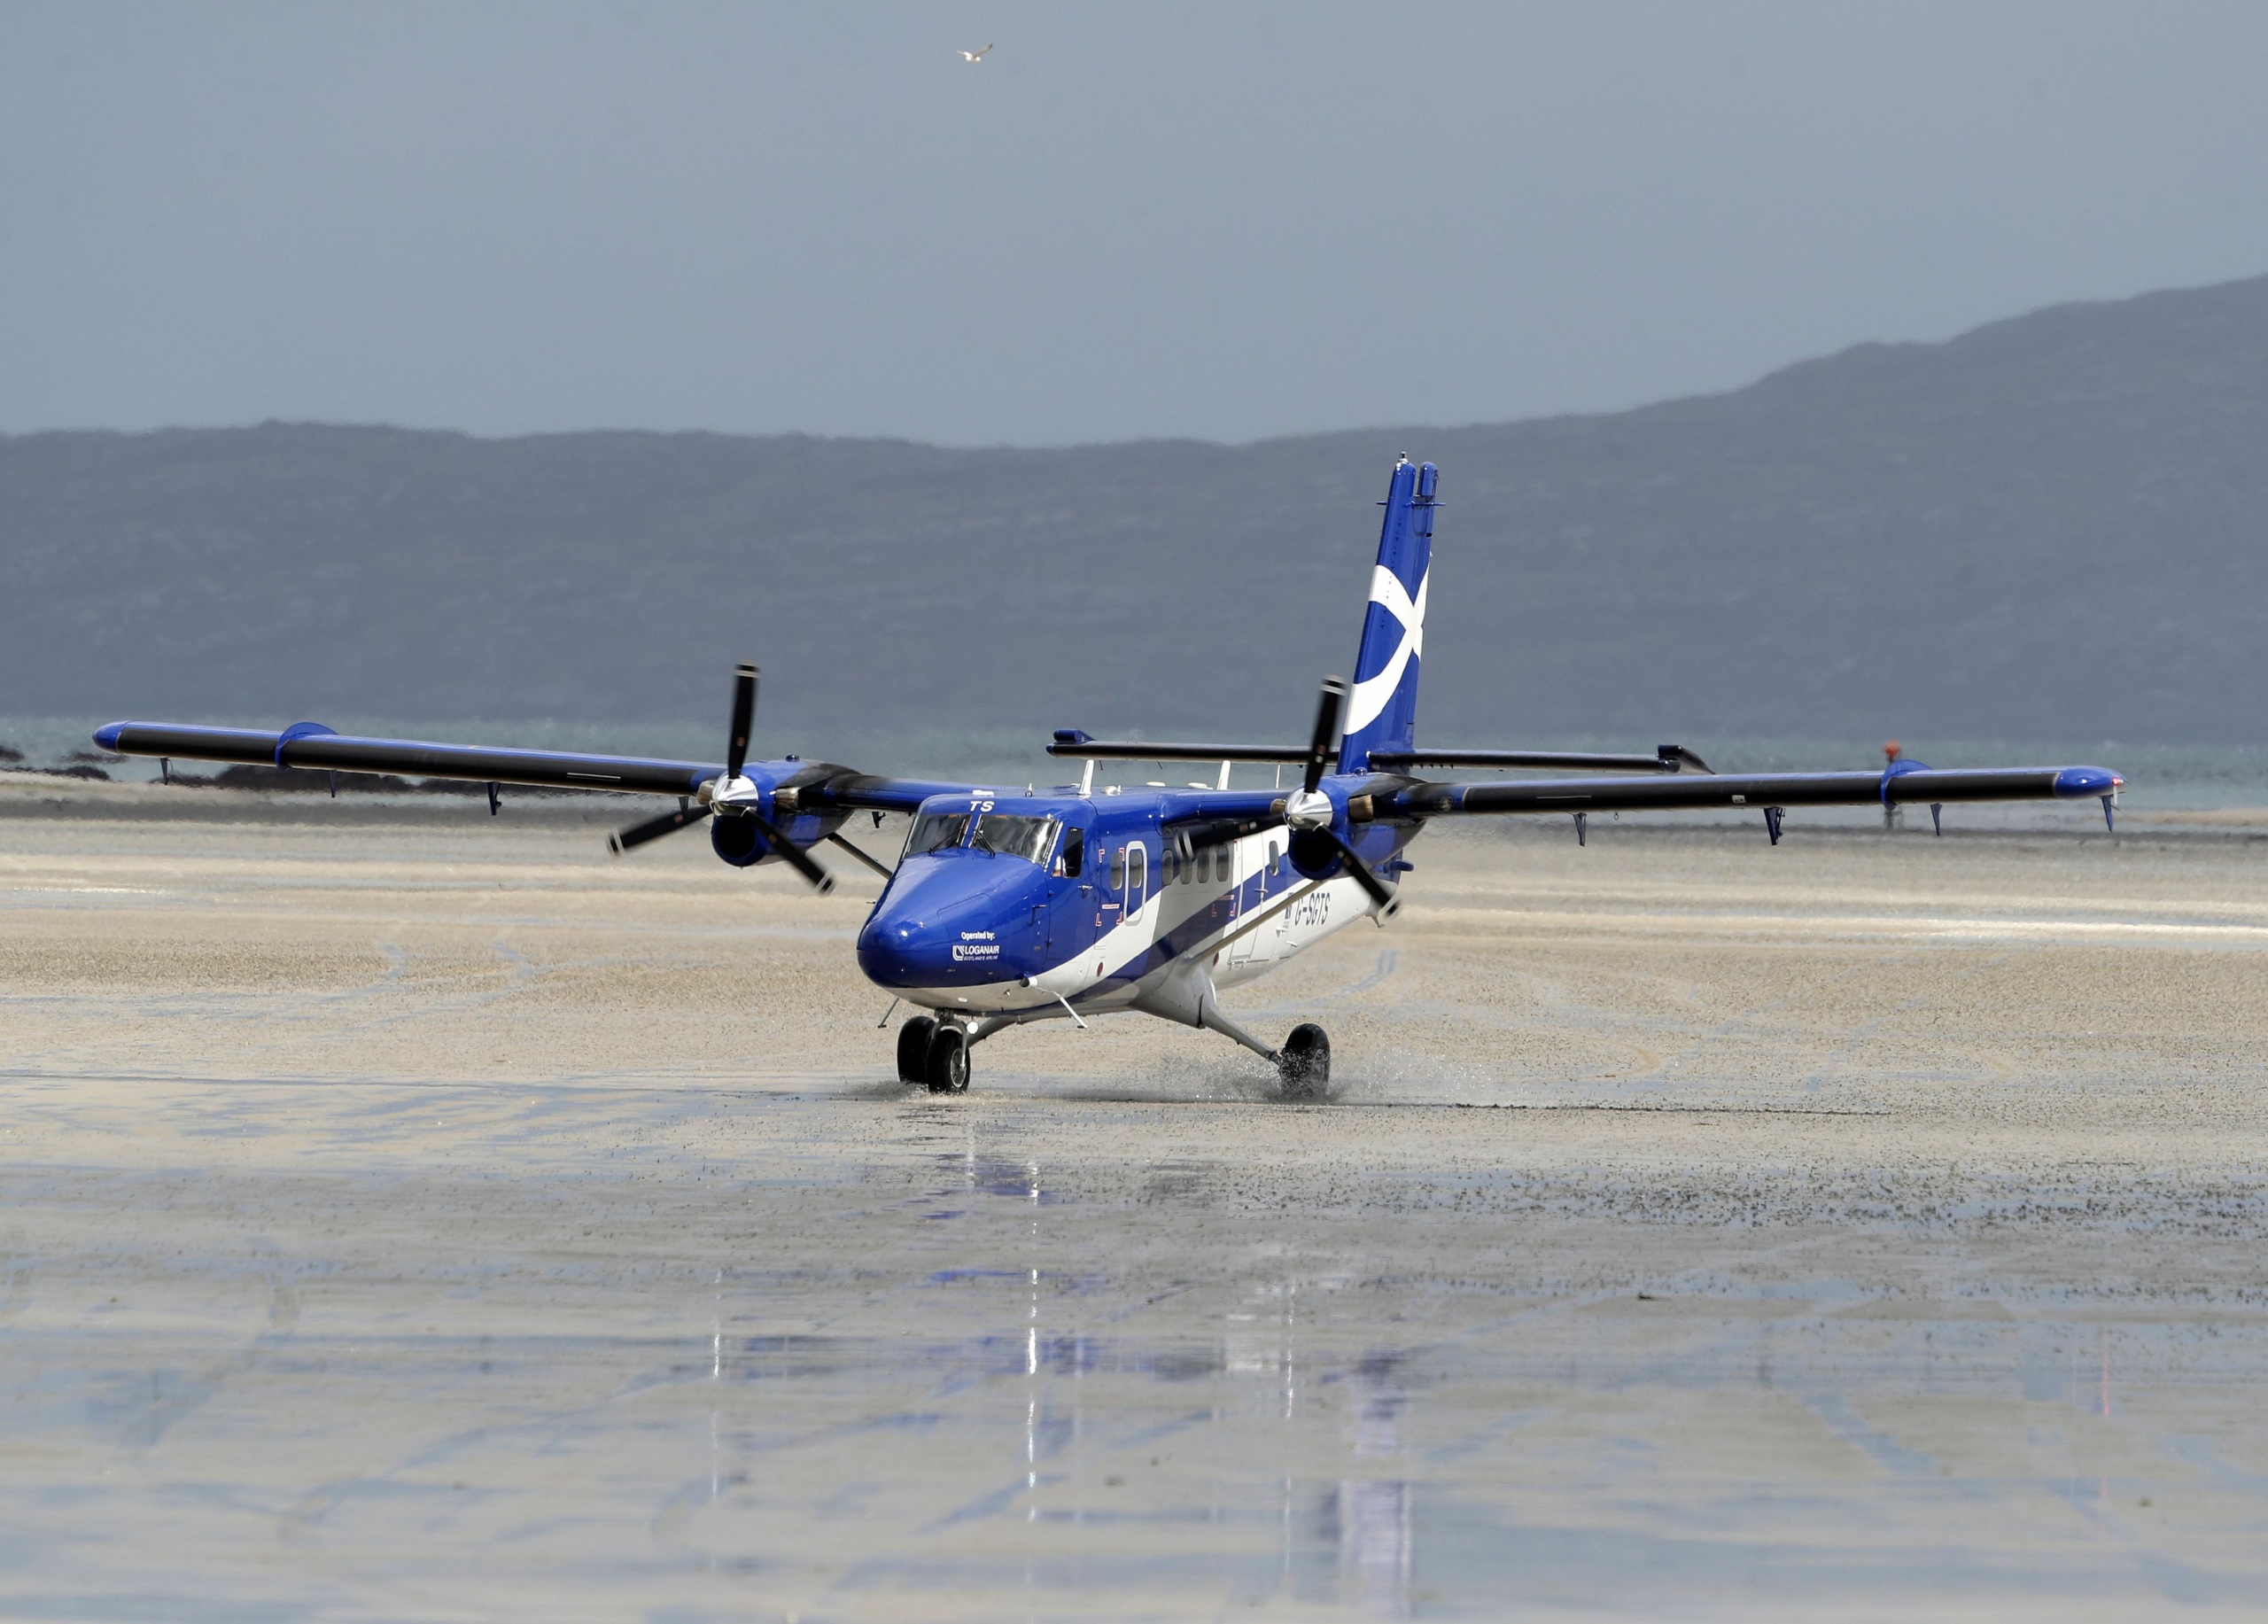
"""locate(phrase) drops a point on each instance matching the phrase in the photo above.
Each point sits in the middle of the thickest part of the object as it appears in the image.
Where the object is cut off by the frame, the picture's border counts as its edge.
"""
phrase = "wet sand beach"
(410, 1213)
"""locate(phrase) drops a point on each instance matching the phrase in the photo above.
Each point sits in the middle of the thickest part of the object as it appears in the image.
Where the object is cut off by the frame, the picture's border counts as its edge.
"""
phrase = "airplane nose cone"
(958, 920)
(893, 949)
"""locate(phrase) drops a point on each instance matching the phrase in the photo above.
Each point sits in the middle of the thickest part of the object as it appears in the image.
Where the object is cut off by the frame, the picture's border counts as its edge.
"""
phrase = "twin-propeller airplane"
(1007, 908)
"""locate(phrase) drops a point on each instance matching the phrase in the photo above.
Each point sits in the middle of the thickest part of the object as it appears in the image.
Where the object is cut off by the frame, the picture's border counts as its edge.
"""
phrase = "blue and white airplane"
(1007, 908)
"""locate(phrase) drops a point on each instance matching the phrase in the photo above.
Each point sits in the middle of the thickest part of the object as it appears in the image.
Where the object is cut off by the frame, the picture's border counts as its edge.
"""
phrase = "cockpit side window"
(1075, 854)
(936, 831)
(1029, 838)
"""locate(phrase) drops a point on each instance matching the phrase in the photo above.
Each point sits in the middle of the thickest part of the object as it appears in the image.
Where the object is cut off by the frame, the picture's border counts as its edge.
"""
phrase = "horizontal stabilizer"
(1079, 746)
(1665, 759)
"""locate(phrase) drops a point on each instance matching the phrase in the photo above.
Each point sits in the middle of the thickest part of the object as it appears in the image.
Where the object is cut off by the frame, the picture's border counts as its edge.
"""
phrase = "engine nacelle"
(1312, 855)
(739, 841)
(1311, 852)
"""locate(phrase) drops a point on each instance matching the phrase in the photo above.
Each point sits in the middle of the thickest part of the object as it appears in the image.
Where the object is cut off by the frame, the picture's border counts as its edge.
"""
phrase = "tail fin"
(1382, 708)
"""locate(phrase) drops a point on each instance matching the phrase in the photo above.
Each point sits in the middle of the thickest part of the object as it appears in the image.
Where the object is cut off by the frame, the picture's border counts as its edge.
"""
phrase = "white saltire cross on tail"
(1382, 705)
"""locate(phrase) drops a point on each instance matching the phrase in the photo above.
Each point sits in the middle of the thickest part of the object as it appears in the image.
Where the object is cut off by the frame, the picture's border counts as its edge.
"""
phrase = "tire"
(946, 1068)
(913, 1049)
(1304, 1062)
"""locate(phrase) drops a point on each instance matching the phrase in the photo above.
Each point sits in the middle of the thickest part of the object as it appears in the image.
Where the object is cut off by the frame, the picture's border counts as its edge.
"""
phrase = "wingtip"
(109, 736)
(2077, 783)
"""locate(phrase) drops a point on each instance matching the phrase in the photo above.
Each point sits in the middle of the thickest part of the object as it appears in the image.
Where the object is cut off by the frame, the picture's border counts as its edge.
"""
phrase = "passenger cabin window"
(1029, 838)
(1274, 859)
(1138, 878)
(1118, 869)
(935, 831)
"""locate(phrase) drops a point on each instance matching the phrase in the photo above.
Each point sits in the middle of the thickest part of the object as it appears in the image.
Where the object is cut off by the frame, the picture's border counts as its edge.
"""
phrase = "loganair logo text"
(976, 944)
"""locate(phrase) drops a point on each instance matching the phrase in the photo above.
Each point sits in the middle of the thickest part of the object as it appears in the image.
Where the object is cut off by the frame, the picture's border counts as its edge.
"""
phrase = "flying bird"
(974, 56)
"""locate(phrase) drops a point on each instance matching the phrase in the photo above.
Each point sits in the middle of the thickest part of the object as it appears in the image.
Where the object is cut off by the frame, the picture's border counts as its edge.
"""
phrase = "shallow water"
(874, 1356)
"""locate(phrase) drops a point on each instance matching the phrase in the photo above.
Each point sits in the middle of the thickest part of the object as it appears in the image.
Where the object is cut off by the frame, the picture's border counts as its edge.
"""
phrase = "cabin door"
(1243, 949)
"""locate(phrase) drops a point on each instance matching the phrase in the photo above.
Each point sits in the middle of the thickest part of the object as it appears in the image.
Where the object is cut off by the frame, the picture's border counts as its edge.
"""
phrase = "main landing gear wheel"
(913, 1049)
(1304, 1062)
(946, 1070)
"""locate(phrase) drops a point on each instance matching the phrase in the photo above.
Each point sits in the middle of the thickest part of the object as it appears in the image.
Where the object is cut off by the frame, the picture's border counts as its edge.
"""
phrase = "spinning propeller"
(731, 796)
(1308, 813)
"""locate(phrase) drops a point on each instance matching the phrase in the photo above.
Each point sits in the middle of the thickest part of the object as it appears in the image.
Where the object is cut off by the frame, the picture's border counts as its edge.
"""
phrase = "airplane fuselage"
(1102, 906)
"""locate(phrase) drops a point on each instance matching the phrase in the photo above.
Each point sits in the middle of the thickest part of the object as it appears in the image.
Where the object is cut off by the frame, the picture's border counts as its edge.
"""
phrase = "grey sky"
(1223, 221)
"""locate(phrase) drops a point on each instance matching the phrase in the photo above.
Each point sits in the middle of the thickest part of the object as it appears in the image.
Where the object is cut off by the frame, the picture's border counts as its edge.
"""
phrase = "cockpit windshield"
(1029, 838)
(936, 831)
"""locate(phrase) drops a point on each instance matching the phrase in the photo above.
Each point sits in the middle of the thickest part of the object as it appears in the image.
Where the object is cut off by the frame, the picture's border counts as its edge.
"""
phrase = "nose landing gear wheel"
(1304, 1062)
(946, 1068)
(913, 1049)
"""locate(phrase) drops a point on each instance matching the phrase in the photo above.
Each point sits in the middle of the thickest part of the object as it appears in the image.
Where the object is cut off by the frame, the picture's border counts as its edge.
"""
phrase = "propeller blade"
(654, 829)
(794, 856)
(1327, 730)
(1388, 903)
(743, 718)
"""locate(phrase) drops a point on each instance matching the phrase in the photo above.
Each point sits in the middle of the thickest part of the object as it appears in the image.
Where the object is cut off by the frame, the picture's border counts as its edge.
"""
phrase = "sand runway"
(413, 1214)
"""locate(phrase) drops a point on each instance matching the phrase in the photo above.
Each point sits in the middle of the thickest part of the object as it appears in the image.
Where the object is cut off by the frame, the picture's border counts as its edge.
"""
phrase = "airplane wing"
(819, 785)
(826, 788)
(1909, 783)
(310, 745)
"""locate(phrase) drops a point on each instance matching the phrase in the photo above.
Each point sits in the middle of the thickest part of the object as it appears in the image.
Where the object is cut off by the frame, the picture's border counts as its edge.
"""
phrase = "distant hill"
(2048, 528)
